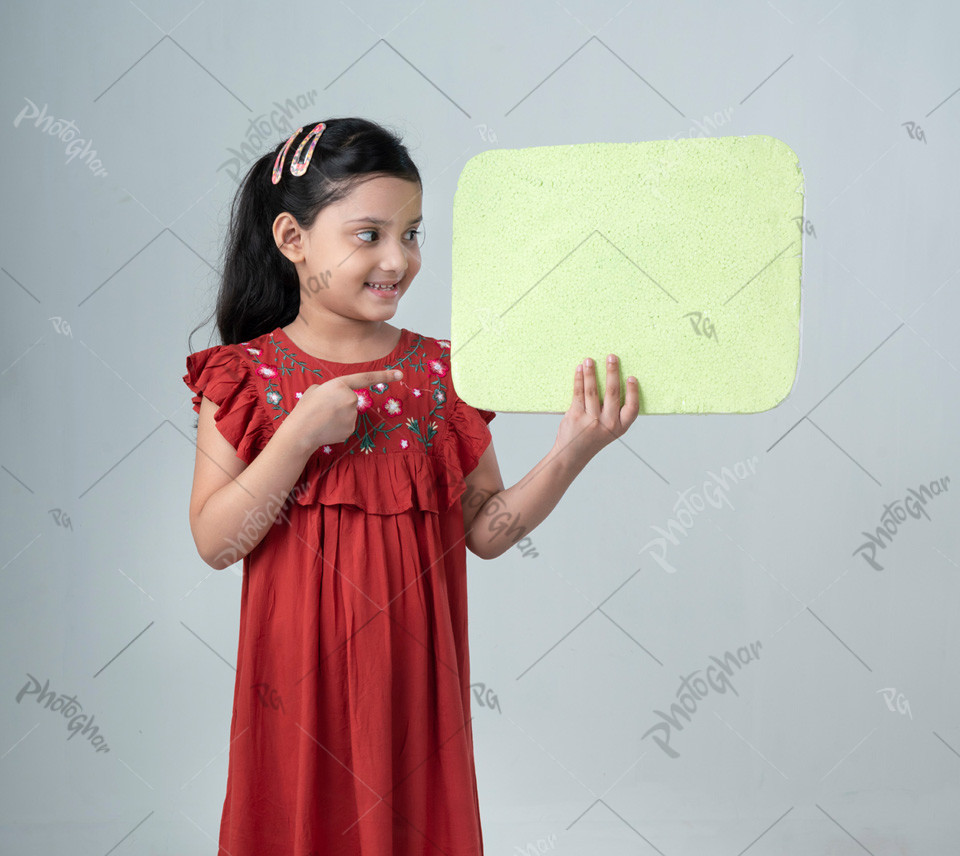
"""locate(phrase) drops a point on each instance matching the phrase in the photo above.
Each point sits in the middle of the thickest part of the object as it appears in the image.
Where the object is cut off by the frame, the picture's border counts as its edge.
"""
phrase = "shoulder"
(239, 363)
(242, 351)
(432, 356)
(430, 346)
(257, 356)
(427, 340)
(439, 366)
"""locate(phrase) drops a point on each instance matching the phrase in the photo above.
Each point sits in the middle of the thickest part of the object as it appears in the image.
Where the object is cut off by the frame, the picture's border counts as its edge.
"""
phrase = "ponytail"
(259, 284)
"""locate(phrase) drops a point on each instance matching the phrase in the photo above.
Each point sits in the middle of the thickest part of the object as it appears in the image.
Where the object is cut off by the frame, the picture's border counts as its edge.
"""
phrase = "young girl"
(335, 459)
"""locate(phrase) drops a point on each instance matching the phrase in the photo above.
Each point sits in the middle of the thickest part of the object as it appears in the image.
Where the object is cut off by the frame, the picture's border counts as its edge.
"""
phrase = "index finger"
(360, 380)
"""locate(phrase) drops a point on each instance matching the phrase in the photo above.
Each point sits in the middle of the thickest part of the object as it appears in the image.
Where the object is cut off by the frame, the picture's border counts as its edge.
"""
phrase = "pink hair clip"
(278, 163)
(297, 167)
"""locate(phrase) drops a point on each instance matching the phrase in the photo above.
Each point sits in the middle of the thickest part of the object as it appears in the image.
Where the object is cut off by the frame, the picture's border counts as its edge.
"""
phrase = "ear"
(287, 235)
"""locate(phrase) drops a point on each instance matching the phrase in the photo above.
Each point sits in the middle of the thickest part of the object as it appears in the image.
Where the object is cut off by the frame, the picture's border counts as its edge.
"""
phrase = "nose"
(395, 257)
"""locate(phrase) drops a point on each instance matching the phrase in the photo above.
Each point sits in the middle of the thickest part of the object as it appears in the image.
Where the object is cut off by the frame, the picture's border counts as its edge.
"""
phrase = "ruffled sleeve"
(223, 375)
(469, 433)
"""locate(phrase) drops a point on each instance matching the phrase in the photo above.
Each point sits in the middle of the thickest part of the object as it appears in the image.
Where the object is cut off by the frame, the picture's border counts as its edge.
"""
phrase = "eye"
(415, 233)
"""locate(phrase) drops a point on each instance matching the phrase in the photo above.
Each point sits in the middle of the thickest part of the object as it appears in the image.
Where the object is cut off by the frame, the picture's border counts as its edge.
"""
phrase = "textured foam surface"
(683, 257)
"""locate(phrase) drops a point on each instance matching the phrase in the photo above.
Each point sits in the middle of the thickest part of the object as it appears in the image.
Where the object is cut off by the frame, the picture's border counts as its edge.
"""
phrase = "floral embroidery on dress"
(379, 414)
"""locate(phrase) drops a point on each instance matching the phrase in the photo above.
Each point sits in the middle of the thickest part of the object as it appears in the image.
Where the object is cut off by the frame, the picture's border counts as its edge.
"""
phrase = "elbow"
(223, 558)
(482, 550)
(472, 547)
(217, 563)
(208, 559)
(215, 550)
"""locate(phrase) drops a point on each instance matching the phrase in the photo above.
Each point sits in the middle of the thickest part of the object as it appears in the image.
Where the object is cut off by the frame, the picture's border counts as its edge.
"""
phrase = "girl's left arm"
(494, 517)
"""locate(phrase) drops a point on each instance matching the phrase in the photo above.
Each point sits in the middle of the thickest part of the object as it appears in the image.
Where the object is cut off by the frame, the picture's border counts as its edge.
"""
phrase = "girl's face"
(370, 236)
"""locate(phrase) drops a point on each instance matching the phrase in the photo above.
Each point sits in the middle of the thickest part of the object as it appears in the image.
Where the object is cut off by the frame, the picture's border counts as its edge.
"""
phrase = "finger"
(359, 380)
(578, 386)
(629, 411)
(611, 396)
(591, 401)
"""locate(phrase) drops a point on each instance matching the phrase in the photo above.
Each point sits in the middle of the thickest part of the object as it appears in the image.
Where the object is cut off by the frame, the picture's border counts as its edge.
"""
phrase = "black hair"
(259, 287)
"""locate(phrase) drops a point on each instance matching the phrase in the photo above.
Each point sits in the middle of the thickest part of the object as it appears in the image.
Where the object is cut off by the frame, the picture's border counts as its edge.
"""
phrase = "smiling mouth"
(382, 286)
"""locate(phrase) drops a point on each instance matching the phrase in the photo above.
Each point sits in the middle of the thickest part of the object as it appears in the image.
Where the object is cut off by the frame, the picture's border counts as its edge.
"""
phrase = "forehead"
(384, 198)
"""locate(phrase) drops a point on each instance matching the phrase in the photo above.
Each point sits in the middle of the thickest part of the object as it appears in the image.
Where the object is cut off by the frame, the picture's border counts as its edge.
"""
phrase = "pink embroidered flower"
(393, 407)
(380, 387)
(437, 368)
(443, 343)
(439, 396)
(327, 450)
(267, 370)
(273, 397)
(404, 444)
(299, 395)
(416, 392)
(364, 401)
(254, 351)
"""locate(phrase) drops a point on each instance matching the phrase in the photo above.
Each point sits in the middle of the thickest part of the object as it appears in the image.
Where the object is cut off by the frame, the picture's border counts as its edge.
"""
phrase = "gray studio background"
(837, 731)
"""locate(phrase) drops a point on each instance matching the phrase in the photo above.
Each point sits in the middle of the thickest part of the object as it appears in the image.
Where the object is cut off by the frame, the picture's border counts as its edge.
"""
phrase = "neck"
(339, 338)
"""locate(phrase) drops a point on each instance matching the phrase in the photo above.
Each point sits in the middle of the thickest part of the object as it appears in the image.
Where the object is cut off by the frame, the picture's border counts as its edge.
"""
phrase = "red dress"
(351, 729)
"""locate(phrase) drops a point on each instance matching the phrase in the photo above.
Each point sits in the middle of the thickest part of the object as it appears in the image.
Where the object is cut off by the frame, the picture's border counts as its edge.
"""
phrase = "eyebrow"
(378, 222)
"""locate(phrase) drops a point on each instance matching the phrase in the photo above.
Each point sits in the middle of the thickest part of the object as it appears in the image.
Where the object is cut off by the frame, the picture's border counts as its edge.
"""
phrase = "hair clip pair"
(297, 167)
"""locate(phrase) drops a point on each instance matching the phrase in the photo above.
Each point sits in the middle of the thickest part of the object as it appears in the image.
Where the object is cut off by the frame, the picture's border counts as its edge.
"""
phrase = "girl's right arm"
(233, 504)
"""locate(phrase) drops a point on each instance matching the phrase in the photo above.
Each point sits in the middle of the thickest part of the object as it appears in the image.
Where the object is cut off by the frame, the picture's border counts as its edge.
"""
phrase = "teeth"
(382, 286)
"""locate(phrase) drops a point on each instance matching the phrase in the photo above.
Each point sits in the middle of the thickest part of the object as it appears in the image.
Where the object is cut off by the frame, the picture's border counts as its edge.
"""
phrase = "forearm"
(238, 516)
(513, 513)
